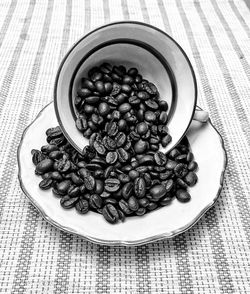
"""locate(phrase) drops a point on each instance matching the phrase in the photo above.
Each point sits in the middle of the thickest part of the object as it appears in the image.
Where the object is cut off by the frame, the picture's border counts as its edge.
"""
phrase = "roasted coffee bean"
(159, 169)
(165, 175)
(133, 72)
(150, 116)
(181, 183)
(140, 146)
(38, 156)
(100, 149)
(174, 153)
(120, 139)
(124, 178)
(170, 165)
(183, 195)
(73, 191)
(55, 175)
(163, 105)
(133, 174)
(103, 108)
(191, 179)
(169, 185)
(127, 190)
(92, 99)
(111, 157)
(125, 88)
(181, 158)
(68, 202)
(142, 128)
(89, 182)
(163, 117)
(134, 100)
(44, 166)
(158, 191)
(55, 154)
(140, 115)
(95, 201)
(64, 165)
(83, 92)
(139, 187)
(133, 203)
(125, 107)
(180, 170)
(143, 202)
(123, 155)
(151, 104)
(151, 206)
(121, 215)
(63, 187)
(166, 200)
(166, 140)
(99, 85)
(146, 160)
(112, 129)
(49, 148)
(141, 211)
(110, 201)
(46, 184)
(105, 194)
(76, 179)
(147, 179)
(86, 83)
(82, 206)
(112, 185)
(143, 95)
(192, 166)
(99, 187)
(142, 169)
(110, 213)
(160, 158)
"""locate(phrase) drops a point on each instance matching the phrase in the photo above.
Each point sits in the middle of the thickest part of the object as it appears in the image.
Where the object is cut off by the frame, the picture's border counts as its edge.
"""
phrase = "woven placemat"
(212, 257)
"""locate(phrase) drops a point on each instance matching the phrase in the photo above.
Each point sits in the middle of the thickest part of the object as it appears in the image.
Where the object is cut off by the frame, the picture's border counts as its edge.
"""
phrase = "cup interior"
(155, 54)
(150, 64)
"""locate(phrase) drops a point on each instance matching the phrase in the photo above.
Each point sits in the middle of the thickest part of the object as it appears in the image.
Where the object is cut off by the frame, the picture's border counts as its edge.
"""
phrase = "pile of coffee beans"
(113, 188)
(123, 109)
(121, 172)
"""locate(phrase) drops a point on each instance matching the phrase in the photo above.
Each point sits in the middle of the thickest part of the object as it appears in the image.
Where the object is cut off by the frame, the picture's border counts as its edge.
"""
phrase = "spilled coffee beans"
(121, 173)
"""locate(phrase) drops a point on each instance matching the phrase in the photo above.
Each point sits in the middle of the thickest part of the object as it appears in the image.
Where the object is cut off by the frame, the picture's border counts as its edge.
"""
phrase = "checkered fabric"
(214, 255)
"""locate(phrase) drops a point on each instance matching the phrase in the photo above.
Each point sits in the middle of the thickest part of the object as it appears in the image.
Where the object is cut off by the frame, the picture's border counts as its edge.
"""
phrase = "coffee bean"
(125, 107)
(133, 72)
(127, 190)
(99, 148)
(192, 166)
(150, 116)
(143, 95)
(89, 182)
(82, 206)
(180, 170)
(181, 183)
(124, 178)
(103, 108)
(163, 105)
(122, 155)
(126, 89)
(67, 202)
(160, 158)
(142, 128)
(133, 203)
(95, 201)
(191, 179)
(151, 104)
(38, 156)
(112, 185)
(111, 157)
(163, 117)
(120, 139)
(83, 92)
(170, 165)
(110, 213)
(46, 184)
(166, 140)
(96, 76)
(183, 195)
(151, 206)
(44, 166)
(139, 187)
(133, 174)
(86, 83)
(166, 201)
(158, 191)
(140, 147)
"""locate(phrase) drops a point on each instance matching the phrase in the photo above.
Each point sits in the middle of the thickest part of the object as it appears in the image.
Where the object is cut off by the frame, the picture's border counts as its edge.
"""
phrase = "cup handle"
(201, 115)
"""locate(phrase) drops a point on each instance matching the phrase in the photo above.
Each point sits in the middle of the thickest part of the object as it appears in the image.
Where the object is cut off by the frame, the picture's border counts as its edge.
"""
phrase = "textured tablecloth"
(212, 257)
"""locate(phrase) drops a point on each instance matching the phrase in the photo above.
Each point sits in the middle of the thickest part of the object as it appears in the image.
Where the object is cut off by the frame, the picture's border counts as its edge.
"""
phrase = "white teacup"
(133, 44)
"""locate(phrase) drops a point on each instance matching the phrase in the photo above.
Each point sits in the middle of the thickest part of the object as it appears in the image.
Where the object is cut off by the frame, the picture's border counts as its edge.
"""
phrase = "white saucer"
(207, 147)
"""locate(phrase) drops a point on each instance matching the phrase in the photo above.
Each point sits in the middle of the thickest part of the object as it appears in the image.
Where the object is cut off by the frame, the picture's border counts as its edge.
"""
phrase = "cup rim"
(112, 24)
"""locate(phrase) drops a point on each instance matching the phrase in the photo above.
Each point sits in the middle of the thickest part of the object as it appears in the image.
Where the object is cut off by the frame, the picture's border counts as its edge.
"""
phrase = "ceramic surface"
(166, 222)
